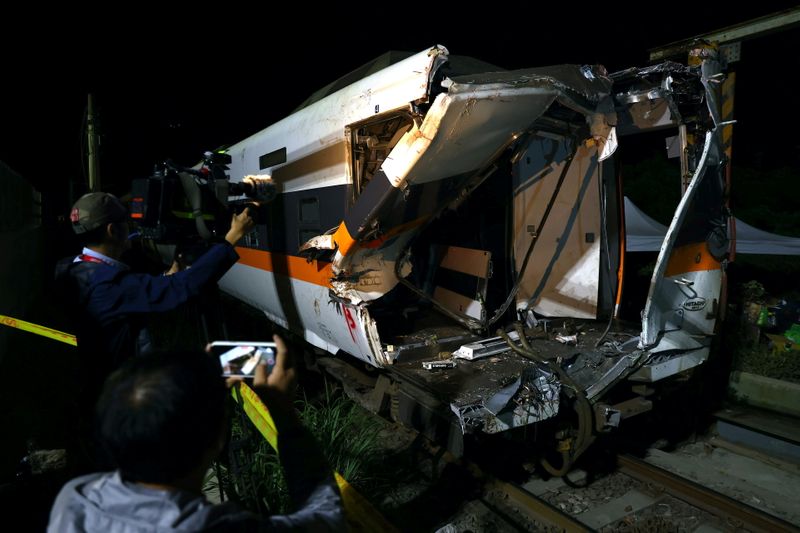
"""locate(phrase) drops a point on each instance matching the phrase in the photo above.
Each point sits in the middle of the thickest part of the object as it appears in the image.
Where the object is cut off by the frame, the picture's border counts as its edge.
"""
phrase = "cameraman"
(111, 302)
(108, 304)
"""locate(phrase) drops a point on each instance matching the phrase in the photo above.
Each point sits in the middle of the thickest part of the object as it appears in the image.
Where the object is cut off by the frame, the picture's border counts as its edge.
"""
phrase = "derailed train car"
(440, 220)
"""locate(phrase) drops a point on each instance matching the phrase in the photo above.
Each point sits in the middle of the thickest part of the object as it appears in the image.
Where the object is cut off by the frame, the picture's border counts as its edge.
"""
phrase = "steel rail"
(702, 497)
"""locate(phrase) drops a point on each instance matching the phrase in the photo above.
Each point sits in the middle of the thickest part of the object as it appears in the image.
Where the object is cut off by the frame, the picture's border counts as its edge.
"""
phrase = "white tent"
(643, 234)
(750, 240)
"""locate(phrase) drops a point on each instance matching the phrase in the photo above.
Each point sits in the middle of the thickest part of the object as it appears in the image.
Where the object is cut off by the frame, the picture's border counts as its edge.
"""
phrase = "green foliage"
(763, 360)
(251, 472)
(753, 291)
(347, 434)
(767, 199)
(777, 273)
(267, 479)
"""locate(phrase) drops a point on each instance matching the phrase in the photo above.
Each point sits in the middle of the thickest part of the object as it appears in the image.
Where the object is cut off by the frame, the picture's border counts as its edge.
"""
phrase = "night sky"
(175, 88)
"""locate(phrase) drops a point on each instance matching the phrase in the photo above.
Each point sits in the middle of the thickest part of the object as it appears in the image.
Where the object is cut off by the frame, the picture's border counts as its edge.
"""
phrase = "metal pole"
(91, 149)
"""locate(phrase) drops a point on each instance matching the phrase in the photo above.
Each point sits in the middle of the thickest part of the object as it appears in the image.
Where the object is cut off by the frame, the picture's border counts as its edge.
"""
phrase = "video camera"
(188, 206)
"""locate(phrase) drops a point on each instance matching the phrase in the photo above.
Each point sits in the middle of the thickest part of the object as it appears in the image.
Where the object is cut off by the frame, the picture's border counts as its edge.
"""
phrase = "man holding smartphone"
(162, 419)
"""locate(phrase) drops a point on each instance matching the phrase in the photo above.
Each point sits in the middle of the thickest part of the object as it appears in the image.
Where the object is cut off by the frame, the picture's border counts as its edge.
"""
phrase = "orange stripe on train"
(690, 258)
(317, 272)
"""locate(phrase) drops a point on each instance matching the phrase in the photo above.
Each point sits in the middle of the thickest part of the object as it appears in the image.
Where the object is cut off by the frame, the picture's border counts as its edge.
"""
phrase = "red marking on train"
(351, 324)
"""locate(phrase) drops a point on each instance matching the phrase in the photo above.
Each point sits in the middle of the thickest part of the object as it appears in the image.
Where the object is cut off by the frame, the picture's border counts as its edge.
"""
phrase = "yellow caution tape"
(258, 413)
(38, 330)
(361, 515)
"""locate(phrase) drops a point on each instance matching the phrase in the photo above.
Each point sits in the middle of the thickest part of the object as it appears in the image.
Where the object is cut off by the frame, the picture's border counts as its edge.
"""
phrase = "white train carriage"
(426, 203)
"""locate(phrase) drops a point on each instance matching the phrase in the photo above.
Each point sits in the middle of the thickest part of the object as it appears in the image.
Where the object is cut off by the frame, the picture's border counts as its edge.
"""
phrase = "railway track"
(729, 510)
(636, 497)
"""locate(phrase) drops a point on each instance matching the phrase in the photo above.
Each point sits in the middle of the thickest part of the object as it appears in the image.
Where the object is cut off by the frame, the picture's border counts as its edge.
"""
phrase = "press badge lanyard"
(93, 259)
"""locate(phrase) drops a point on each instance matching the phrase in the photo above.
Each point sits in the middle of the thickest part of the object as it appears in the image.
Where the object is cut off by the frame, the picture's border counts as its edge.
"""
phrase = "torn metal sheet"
(689, 271)
(533, 397)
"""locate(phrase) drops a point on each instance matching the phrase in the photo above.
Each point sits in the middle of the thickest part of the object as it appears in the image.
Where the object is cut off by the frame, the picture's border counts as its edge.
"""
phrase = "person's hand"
(177, 266)
(282, 378)
(241, 225)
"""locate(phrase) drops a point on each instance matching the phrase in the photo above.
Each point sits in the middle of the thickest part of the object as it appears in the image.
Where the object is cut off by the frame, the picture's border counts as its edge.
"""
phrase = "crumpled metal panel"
(533, 397)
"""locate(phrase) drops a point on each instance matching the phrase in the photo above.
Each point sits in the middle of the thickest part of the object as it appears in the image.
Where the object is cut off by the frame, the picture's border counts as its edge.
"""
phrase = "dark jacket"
(109, 306)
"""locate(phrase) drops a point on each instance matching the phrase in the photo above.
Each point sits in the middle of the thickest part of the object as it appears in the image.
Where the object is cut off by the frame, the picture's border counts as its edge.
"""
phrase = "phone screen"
(240, 358)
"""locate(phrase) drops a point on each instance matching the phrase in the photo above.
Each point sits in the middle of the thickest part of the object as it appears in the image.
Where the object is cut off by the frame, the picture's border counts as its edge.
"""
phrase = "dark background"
(173, 86)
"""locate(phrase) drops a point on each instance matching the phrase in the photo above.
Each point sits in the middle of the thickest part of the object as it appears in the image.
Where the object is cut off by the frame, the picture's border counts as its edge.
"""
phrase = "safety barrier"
(38, 330)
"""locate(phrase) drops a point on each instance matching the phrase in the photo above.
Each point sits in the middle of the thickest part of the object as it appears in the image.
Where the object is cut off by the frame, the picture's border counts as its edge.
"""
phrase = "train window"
(251, 240)
(273, 158)
(309, 210)
(307, 234)
(308, 218)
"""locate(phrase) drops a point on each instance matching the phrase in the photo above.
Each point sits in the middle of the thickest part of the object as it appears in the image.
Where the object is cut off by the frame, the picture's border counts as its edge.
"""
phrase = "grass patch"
(749, 344)
(347, 434)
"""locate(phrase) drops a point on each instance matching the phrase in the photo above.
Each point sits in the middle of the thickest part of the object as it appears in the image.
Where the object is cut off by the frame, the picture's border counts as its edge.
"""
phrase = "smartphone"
(240, 358)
